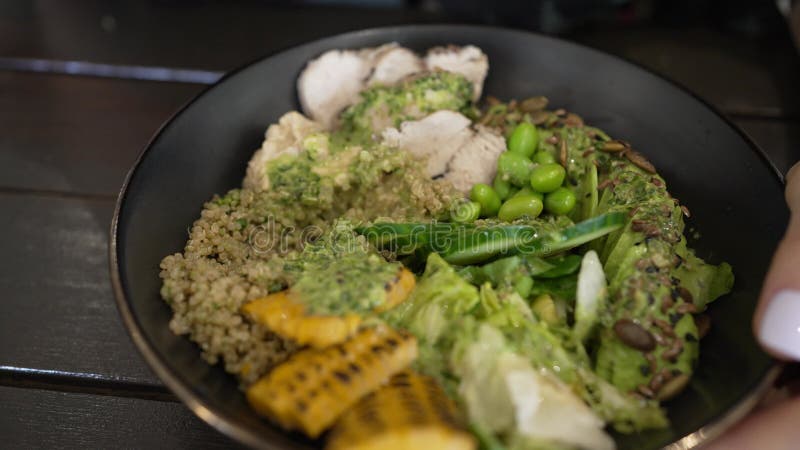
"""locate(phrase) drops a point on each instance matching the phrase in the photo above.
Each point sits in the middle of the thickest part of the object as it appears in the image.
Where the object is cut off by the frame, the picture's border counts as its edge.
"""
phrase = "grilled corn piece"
(286, 315)
(314, 387)
(412, 412)
(288, 318)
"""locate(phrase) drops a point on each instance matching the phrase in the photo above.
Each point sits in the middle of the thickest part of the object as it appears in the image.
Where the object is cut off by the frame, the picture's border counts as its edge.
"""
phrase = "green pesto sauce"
(340, 273)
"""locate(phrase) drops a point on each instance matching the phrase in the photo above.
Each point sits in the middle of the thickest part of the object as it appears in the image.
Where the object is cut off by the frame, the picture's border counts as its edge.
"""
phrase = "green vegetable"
(515, 168)
(547, 177)
(488, 199)
(562, 265)
(523, 286)
(439, 297)
(520, 206)
(543, 157)
(589, 193)
(560, 202)
(524, 139)
(526, 190)
(466, 212)
(502, 187)
(466, 244)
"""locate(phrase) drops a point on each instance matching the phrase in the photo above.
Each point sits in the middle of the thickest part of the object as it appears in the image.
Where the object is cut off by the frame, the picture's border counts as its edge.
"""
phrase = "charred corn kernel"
(315, 386)
(411, 412)
(288, 318)
(398, 291)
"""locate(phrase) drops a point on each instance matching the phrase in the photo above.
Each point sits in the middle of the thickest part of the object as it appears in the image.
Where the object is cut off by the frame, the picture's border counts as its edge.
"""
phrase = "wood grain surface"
(35, 418)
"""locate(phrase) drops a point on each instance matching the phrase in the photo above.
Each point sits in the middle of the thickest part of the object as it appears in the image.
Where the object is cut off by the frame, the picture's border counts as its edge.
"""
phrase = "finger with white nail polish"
(777, 318)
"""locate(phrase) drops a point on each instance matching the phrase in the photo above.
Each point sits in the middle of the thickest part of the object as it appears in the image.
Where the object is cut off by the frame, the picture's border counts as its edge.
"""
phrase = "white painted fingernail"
(780, 326)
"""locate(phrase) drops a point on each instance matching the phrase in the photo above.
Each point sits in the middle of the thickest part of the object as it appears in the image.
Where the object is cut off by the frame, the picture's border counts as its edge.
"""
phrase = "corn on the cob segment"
(398, 291)
(288, 318)
(412, 412)
(286, 315)
(314, 387)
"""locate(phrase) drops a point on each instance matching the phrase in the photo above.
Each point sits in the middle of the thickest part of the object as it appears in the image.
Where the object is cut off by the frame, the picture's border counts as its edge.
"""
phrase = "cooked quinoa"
(237, 248)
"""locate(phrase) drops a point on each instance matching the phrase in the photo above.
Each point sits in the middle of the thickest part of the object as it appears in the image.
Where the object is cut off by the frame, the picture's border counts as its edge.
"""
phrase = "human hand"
(776, 324)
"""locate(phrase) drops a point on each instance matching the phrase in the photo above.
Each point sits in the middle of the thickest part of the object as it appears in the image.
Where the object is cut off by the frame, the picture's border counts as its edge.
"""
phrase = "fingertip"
(778, 327)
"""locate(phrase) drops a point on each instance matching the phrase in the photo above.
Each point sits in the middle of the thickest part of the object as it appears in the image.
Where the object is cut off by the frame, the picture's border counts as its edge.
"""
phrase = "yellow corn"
(288, 317)
(412, 412)
(315, 386)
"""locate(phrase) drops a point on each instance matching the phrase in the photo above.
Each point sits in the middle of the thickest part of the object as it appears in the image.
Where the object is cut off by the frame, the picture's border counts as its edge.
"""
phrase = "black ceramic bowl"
(734, 193)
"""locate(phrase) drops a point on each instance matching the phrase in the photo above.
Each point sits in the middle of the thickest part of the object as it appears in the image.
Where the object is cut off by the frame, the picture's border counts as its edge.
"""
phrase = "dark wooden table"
(69, 375)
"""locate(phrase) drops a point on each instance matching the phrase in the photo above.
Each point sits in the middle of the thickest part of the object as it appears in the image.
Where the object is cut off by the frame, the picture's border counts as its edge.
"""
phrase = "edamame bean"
(487, 198)
(560, 202)
(524, 139)
(547, 177)
(527, 190)
(543, 157)
(502, 187)
(516, 207)
(466, 212)
(514, 168)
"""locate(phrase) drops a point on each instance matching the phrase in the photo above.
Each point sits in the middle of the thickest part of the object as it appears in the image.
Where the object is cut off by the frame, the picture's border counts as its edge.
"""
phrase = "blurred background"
(737, 54)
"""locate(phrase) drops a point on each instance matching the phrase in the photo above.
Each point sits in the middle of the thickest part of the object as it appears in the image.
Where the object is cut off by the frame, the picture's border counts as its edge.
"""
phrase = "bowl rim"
(229, 425)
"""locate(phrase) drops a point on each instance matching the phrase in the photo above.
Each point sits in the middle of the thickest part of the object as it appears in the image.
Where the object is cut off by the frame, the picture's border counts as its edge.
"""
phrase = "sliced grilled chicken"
(391, 63)
(476, 160)
(468, 61)
(332, 82)
(464, 155)
(436, 138)
(284, 137)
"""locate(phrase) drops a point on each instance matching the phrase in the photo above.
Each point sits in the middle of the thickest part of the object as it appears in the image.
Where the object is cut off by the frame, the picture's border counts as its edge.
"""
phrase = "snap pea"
(560, 202)
(488, 199)
(547, 177)
(524, 139)
(543, 157)
(465, 212)
(520, 206)
(514, 168)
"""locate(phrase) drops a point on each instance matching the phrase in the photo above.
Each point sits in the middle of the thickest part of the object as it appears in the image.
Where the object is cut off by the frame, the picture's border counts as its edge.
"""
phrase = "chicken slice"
(331, 83)
(463, 154)
(468, 61)
(436, 138)
(284, 137)
(476, 160)
(391, 63)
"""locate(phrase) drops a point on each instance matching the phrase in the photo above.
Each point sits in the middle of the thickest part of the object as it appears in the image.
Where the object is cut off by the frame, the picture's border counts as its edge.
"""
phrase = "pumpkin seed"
(673, 387)
(533, 104)
(614, 146)
(640, 161)
(634, 335)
